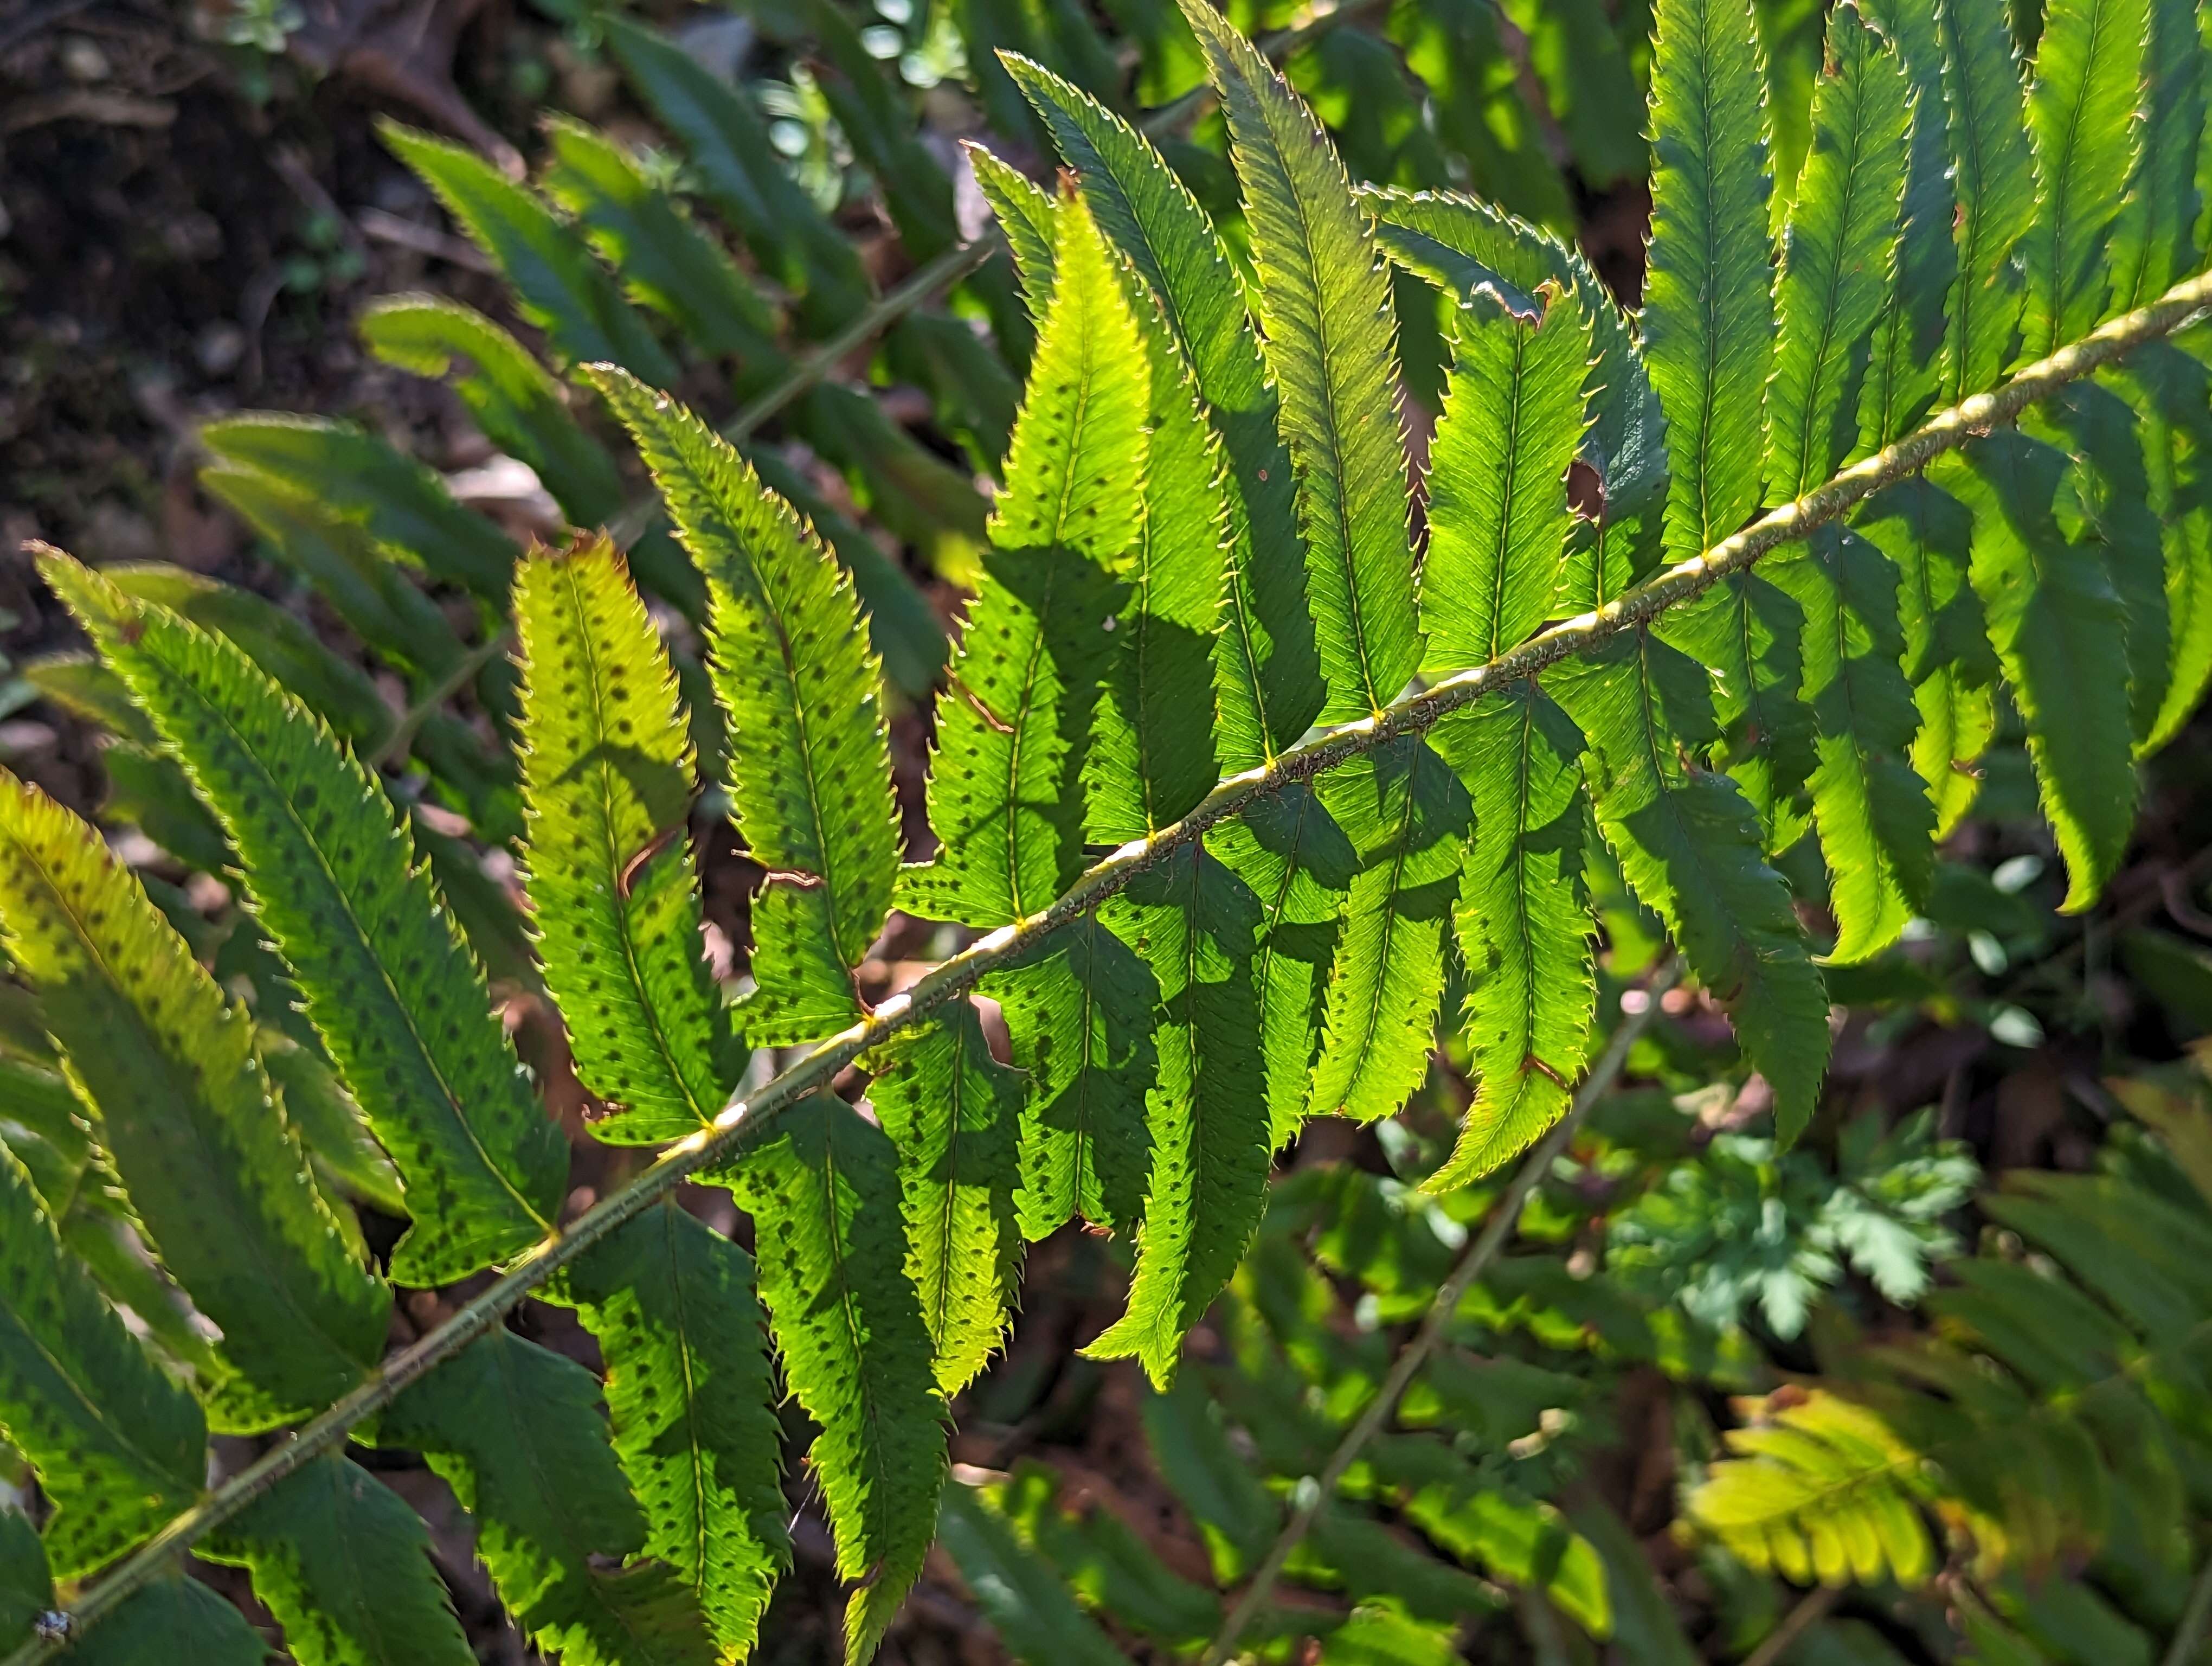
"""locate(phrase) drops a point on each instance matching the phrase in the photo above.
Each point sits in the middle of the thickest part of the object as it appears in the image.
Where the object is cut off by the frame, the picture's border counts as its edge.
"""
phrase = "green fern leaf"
(666, 261)
(1993, 176)
(562, 289)
(1904, 365)
(1708, 318)
(1011, 729)
(1523, 925)
(2106, 506)
(1269, 681)
(1299, 864)
(1020, 1592)
(1461, 245)
(1690, 849)
(1152, 755)
(1875, 822)
(607, 777)
(1929, 535)
(214, 1172)
(1405, 813)
(822, 1188)
(951, 1109)
(738, 170)
(2153, 238)
(389, 984)
(174, 1617)
(516, 1431)
(1324, 305)
(1512, 423)
(1194, 923)
(350, 475)
(671, 1301)
(809, 762)
(2059, 633)
(2081, 125)
(1023, 209)
(1836, 255)
(1078, 1014)
(2171, 391)
(119, 1448)
(345, 1568)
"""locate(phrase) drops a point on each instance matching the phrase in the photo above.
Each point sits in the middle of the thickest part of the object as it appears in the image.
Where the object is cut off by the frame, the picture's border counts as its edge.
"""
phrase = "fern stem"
(1811, 1609)
(393, 747)
(1504, 1216)
(1415, 713)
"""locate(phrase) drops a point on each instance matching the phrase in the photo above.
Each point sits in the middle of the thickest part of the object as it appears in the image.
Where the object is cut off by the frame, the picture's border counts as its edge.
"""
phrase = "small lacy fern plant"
(1323, 759)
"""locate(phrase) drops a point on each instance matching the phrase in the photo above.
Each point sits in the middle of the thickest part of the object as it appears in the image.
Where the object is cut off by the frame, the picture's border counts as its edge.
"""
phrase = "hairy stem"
(721, 1140)
(1504, 1216)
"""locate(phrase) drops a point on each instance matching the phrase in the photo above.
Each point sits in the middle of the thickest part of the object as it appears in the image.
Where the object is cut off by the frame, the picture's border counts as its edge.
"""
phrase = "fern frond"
(823, 1191)
(689, 1397)
(1324, 306)
(1524, 926)
(1022, 1593)
(119, 1448)
(389, 986)
(1512, 423)
(1993, 176)
(1078, 1014)
(344, 1565)
(1023, 209)
(2083, 128)
(1269, 683)
(1690, 851)
(213, 1170)
(808, 757)
(607, 784)
(1406, 814)
(1837, 255)
(2153, 238)
(560, 287)
(1875, 822)
(516, 1431)
(2171, 391)
(1012, 730)
(1194, 923)
(172, 1615)
(2060, 636)
(1708, 317)
(952, 1111)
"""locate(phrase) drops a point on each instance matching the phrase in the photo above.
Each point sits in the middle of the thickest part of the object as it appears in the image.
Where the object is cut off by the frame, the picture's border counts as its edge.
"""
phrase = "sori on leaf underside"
(1335, 730)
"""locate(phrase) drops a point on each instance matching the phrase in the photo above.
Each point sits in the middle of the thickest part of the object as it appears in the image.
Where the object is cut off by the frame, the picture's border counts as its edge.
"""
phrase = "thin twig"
(393, 747)
(744, 1118)
(1811, 1609)
(1504, 1217)
(2188, 1635)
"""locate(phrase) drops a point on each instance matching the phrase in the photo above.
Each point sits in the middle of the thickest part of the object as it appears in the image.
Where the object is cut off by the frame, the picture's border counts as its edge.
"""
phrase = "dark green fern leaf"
(118, 1447)
(344, 1565)
(953, 1111)
(1690, 849)
(516, 1431)
(2059, 632)
(1523, 925)
(389, 984)
(2171, 392)
(1078, 1012)
(809, 762)
(1325, 317)
(214, 1172)
(607, 780)
(1193, 922)
(690, 1396)
(823, 1191)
